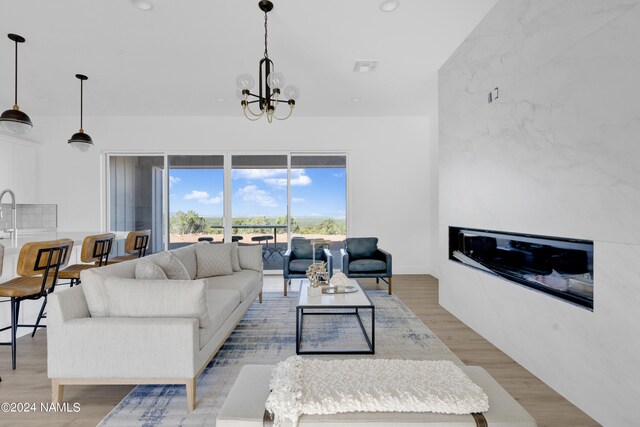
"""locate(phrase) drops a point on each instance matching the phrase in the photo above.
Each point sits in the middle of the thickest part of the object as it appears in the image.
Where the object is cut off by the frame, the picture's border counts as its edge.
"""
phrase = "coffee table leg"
(297, 330)
(373, 330)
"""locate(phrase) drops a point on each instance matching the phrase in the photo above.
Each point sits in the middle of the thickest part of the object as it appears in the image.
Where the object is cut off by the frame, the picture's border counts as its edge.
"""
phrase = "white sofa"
(150, 350)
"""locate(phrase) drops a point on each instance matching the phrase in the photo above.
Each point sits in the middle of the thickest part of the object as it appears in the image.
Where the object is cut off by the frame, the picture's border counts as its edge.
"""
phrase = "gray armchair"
(361, 257)
(298, 259)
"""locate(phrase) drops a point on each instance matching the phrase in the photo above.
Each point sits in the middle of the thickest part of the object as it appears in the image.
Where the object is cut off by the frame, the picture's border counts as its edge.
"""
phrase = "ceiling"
(182, 58)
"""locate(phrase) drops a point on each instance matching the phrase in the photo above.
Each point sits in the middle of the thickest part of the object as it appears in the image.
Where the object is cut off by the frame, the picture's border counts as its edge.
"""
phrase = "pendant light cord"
(16, 79)
(81, 102)
(266, 54)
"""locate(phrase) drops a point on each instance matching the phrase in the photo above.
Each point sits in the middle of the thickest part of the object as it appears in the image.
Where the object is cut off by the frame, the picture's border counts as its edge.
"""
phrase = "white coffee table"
(347, 304)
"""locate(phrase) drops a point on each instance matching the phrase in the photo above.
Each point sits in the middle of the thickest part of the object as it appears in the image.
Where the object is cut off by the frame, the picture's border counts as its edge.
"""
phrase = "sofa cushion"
(93, 283)
(221, 303)
(367, 265)
(187, 255)
(171, 265)
(235, 258)
(156, 298)
(244, 282)
(213, 260)
(361, 247)
(300, 265)
(148, 270)
(302, 248)
(250, 257)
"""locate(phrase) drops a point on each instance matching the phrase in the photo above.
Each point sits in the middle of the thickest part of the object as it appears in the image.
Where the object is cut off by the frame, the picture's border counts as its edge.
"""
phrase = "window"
(268, 199)
(196, 199)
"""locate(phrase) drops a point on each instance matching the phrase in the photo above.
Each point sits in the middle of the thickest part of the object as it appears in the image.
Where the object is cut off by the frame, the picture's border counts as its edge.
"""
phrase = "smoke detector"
(365, 66)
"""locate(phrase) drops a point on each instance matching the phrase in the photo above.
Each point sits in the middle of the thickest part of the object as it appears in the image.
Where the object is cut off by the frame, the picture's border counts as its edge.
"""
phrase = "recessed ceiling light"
(356, 99)
(220, 99)
(145, 5)
(389, 5)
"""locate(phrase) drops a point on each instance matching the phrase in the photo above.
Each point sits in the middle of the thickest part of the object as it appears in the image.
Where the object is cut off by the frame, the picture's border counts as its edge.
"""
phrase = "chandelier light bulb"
(245, 81)
(276, 80)
(291, 92)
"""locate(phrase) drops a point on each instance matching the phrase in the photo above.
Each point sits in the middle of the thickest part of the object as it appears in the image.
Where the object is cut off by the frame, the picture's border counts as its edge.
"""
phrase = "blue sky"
(314, 192)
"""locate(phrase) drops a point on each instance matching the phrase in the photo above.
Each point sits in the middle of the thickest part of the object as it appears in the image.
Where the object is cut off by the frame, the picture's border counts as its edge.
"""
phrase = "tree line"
(191, 223)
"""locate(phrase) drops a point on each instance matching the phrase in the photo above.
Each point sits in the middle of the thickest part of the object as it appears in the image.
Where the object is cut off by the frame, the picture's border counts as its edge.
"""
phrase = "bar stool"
(205, 239)
(38, 265)
(265, 248)
(95, 250)
(236, 238)
(135, 245)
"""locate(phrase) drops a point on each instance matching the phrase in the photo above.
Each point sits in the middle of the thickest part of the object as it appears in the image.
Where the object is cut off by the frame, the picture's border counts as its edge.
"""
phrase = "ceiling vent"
(365, 66)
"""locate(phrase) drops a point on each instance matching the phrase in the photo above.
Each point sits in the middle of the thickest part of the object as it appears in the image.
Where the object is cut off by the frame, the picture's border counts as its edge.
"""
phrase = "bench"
(245, 407)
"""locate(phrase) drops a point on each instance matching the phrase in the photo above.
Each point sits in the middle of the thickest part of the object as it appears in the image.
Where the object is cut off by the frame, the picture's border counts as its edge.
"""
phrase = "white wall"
(18, 169)
(558, 154)
(389, 163)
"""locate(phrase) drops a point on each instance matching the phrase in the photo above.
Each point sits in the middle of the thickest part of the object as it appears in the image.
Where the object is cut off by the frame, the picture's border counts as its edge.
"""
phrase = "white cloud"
(204, 197)
(251, 194)
(258, 173)
(196, 195)
(212, 200)
(298, 178)
(297, 200)
(174, 180)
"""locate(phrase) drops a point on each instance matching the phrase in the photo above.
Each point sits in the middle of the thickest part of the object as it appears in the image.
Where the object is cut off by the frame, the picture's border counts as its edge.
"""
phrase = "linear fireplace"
(559, 267)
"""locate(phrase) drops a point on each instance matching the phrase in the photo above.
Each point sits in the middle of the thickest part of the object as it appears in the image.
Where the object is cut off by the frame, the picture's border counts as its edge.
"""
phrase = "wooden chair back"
(97, 248)
(40, 257)
(1, 258)
(137, 242)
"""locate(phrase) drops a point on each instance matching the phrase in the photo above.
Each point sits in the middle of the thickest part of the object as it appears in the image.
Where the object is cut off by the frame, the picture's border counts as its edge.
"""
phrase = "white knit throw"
(303, 386)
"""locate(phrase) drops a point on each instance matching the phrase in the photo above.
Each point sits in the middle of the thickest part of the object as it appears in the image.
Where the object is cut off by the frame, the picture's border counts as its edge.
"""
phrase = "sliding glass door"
(319, 199)
(259, 204)
(196, 199)
(135, 197)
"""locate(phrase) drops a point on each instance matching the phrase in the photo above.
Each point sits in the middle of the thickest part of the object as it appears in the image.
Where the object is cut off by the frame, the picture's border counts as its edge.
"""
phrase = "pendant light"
(15, 121)
(81, 141)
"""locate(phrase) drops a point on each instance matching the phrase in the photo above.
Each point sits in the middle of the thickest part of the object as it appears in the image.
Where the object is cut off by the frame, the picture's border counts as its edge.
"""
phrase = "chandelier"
(270, 93)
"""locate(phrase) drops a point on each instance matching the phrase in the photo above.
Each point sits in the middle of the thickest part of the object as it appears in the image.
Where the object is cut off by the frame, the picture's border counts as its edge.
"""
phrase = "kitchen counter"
(12, 246)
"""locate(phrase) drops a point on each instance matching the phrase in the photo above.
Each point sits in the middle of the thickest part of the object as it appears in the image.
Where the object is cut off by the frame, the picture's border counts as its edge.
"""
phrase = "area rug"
(266, 335)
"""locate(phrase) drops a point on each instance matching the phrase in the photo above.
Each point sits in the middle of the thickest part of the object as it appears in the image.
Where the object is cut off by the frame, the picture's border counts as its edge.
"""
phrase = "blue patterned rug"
(266, 335)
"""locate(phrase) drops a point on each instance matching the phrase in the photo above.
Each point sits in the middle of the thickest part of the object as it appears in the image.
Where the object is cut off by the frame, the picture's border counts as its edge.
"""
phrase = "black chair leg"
(40, 316)
(15, 311)
(377, 280)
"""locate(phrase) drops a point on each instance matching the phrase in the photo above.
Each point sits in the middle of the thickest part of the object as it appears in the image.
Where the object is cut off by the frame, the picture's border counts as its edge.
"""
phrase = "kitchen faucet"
(12, 232)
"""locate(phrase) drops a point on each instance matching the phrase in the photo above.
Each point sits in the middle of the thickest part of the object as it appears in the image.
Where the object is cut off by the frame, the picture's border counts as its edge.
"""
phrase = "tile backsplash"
(30, 217)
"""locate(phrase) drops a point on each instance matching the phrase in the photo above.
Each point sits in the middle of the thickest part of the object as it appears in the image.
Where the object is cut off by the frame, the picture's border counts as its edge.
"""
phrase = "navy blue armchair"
(361, 257)
(298, 259)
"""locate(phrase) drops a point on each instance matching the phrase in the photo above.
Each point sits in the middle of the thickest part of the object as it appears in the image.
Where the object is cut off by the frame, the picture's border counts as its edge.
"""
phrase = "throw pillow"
(250, 257)
(171, 265)
(235, 259)
(157, 298)
(213, 260)
(148, 270)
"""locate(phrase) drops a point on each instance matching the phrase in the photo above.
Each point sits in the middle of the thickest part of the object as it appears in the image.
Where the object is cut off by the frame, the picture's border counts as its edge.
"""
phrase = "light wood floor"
(29, 383)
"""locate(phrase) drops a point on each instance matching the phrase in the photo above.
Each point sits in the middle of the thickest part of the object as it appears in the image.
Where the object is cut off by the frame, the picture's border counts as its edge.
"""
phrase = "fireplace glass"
(560, 267)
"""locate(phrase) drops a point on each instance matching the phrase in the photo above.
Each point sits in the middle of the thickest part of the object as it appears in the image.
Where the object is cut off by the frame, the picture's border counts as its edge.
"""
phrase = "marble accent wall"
(558, 153)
